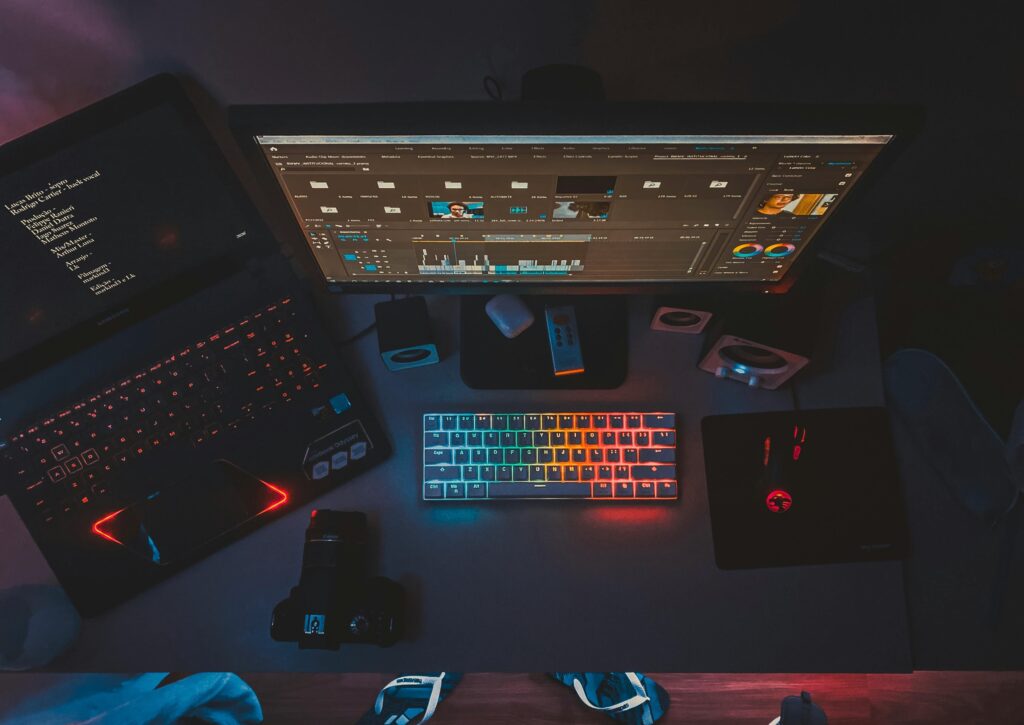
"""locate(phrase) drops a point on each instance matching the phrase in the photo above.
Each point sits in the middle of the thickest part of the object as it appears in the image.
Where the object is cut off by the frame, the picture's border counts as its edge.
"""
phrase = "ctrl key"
(433, 490)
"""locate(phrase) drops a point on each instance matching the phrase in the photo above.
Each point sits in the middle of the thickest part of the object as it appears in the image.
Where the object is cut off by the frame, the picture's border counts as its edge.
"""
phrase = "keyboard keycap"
(476, 490)
(623, 489)
(668, 489)
(433, 490)
(442, 473)
(455, 490)
(657, 455)
(534, 490)
(660, 420)
(435, 440)
(664, 438)
(650, 473)
(603, 489)
(433, 456)
(644, 489)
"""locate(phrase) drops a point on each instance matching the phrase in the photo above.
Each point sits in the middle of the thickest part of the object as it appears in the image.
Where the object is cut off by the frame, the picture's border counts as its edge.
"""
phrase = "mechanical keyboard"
(596, 456)
(191, 395)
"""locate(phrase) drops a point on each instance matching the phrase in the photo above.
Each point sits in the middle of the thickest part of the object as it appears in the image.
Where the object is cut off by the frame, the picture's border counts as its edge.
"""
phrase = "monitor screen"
(590, 210)
(85, 228)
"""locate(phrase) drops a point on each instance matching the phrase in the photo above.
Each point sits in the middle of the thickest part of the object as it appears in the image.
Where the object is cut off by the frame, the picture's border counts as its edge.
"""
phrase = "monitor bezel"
(534, 118)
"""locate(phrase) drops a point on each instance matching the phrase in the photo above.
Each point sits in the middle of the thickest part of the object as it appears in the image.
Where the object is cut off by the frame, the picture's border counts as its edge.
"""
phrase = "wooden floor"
(948, 698)
(953, 698)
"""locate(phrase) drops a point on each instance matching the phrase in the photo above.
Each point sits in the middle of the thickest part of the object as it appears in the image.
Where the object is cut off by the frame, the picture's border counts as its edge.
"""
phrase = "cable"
(364, 332)
(493, 88)
(359, 335)
(795, 395)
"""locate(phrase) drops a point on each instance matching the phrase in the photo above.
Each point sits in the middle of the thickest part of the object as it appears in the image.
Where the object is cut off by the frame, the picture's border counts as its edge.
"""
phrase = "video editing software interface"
(92, 225)
(565, 209)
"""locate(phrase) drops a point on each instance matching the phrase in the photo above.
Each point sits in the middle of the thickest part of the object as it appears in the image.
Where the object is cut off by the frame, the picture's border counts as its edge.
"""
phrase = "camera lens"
(359, 625)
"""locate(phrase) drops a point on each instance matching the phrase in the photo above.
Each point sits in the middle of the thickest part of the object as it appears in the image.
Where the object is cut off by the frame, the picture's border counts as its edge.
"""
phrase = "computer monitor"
(535, 198)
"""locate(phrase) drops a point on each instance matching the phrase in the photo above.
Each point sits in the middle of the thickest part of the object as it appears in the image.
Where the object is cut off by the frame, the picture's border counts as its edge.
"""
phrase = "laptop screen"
(131, 203)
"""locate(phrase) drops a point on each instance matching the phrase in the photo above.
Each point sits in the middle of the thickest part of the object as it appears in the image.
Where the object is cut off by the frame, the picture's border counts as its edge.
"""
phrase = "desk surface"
(529, 586)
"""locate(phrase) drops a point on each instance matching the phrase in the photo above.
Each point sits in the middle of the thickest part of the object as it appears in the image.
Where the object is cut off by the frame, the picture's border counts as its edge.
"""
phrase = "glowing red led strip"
(277, 504)
(100, 532)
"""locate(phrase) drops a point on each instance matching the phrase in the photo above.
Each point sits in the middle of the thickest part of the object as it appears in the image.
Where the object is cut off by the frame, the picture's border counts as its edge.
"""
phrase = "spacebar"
(539, 490)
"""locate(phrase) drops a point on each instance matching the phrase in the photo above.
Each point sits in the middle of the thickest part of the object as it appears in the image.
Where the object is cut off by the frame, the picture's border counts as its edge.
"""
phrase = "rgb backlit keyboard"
(596, 456)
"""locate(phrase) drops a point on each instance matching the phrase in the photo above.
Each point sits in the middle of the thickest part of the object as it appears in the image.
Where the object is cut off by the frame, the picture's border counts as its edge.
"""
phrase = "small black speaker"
(404, 335)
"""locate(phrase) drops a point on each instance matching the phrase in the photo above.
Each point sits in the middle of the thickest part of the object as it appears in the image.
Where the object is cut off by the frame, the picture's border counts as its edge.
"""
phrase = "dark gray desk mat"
(530, 586)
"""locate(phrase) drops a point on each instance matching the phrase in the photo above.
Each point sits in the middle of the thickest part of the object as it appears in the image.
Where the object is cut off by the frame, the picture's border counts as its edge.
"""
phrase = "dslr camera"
(335, 600)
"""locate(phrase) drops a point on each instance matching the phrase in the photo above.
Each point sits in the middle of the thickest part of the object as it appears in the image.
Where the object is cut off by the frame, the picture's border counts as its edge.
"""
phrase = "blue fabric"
(220, 698)
(935, 412)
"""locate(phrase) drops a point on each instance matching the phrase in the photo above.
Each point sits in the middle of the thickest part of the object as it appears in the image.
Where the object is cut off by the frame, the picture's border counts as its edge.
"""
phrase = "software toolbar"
(568, 209)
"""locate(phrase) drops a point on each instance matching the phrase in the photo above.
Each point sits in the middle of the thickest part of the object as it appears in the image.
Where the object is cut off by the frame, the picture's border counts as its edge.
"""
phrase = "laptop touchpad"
(179, 519)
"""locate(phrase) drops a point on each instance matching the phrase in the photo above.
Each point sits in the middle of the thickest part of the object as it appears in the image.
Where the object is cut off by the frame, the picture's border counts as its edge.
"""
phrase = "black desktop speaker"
(404, 335)
(761, 341)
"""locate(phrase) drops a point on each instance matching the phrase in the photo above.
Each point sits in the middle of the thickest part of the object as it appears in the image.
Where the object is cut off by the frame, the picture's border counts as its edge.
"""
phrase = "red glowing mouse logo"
(778, 501)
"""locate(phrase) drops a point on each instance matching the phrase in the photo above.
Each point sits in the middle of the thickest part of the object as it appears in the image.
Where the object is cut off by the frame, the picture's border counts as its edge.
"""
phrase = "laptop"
(166, 386)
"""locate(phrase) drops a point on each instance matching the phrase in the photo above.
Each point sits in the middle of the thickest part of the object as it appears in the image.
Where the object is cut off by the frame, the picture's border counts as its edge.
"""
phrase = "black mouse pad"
(803, 487)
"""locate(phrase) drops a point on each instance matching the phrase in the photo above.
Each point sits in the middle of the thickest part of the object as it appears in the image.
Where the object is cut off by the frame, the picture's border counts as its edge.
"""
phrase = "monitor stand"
(490, 361)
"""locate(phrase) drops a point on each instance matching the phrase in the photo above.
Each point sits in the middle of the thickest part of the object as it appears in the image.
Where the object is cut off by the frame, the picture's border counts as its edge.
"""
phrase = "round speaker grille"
(754, 357)
(679, 318)
(410, 356)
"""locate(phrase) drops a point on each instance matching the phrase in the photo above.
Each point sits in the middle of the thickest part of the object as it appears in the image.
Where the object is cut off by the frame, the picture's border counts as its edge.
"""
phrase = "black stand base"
(490, 361)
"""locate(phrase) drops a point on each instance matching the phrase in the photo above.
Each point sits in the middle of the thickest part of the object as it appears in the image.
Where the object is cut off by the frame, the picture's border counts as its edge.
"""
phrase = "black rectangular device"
(596, 199)
(803, 487)
(166, 385)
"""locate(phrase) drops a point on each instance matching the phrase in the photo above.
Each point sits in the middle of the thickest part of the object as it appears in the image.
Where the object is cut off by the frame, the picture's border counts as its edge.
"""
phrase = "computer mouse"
(509, 314)
(781, 452)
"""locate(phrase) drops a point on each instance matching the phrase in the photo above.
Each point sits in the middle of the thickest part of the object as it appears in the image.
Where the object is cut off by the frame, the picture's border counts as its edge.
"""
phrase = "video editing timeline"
(580, 208)
(515, 254)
